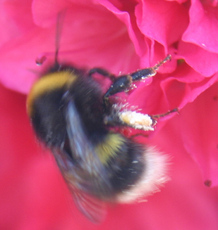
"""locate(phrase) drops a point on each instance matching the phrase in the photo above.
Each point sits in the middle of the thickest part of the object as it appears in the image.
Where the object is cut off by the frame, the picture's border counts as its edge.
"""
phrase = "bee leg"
(139, 134)
(157, 116)
(133, 119)
(102, 72)
(124, 82)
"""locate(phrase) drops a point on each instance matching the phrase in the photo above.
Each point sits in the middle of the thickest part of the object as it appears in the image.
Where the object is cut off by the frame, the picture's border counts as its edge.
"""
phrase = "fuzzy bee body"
(73, 117)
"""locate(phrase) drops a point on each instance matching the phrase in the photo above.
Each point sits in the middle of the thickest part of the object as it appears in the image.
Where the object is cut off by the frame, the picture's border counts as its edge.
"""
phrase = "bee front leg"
(102, 72)
(121, 84)
(124, 82)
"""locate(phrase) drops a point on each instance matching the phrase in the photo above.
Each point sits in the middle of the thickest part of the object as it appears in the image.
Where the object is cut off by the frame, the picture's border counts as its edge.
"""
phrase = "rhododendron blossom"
(120, 36)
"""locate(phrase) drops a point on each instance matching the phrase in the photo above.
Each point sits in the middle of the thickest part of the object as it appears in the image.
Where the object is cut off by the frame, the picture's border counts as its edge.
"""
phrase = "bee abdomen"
(123, 160)
(134, 170)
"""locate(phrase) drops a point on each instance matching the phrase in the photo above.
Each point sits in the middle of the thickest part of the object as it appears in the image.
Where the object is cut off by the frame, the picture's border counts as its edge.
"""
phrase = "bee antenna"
(59, 27)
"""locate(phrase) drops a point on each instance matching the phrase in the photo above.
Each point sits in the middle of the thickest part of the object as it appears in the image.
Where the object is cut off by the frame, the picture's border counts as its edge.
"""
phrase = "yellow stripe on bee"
(49, 82)
(109, 147)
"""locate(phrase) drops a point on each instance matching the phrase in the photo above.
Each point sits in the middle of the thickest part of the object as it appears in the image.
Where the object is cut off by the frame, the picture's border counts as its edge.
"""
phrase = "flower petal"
(15, 19)
(124, 10)
(201, 60)
(202, 29)
(199, 132)
(106, 36)
(157, 18)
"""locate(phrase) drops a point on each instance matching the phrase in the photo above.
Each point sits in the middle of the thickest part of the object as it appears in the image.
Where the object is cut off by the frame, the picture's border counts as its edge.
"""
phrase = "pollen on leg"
(137, 120)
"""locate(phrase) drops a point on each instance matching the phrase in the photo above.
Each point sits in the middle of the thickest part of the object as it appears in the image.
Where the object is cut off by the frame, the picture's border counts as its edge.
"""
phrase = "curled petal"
(201, 60)
(199, 133)
(202, 29)
(157, 18)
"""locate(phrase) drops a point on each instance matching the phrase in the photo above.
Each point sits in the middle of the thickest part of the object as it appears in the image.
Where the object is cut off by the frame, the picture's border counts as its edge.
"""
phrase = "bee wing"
(82, 169)
(92, 208)
(88, 164)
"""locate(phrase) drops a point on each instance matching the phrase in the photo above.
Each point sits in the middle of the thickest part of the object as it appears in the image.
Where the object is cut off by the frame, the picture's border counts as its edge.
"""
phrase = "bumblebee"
(76, 120)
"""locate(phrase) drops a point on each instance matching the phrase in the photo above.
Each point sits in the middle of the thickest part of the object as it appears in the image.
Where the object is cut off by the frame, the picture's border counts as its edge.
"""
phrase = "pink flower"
(121, 36)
